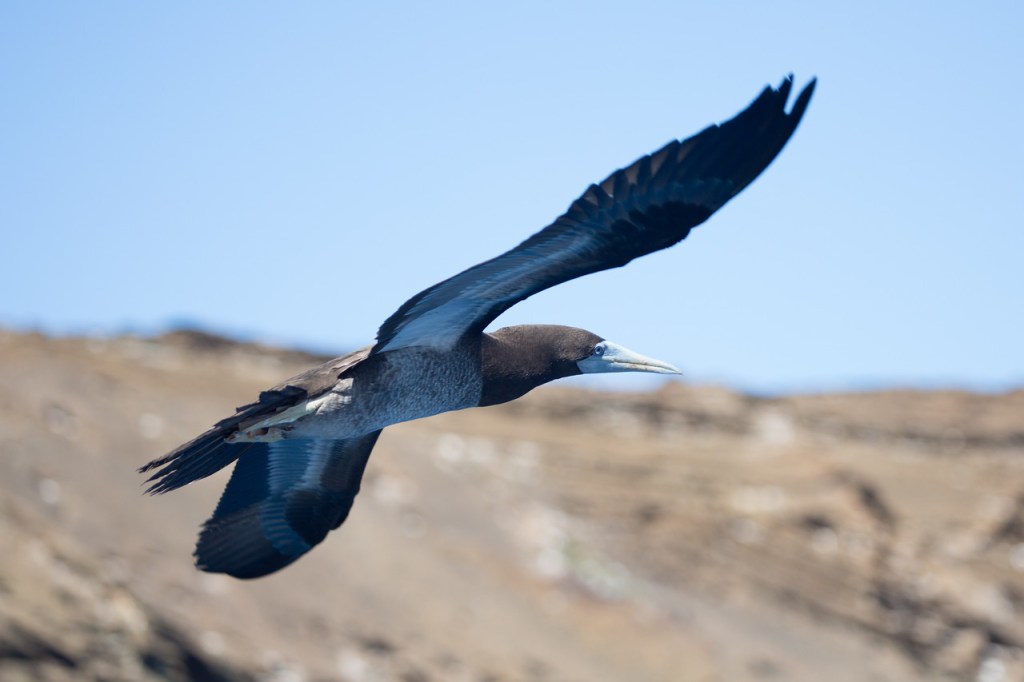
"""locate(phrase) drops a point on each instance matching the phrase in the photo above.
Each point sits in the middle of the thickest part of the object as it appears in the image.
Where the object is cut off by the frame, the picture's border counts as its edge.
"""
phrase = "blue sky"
(293, 173)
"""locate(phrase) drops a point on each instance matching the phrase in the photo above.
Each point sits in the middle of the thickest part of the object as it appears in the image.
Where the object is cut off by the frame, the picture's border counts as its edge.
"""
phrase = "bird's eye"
(599, 349)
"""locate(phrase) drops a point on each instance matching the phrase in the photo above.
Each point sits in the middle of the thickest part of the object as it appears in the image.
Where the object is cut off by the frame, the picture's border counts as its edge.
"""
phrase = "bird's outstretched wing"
(648, 206)
(282, 500)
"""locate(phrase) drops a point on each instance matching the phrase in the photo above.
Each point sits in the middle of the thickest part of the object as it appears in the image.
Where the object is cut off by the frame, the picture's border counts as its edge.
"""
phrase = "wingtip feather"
(803, 99)
(785, 86)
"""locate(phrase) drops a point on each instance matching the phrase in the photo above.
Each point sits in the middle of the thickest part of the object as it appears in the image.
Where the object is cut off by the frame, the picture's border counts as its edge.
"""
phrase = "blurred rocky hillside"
(692, 533)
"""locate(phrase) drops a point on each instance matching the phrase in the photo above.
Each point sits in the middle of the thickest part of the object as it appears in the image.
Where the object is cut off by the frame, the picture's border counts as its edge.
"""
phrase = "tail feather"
(205, 455)
(208, 452)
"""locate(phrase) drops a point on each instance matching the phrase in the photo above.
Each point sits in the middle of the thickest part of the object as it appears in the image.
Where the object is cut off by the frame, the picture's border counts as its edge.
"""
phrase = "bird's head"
(515, 360)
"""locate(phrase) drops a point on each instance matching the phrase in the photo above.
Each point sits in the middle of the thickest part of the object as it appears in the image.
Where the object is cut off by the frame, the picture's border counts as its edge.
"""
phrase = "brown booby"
(302, 446)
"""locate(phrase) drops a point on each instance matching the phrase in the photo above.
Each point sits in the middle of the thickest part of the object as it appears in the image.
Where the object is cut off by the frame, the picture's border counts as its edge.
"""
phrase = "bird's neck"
(510, 370)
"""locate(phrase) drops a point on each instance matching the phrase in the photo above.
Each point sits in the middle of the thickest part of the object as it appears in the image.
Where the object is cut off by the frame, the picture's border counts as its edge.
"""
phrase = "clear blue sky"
(293, 172)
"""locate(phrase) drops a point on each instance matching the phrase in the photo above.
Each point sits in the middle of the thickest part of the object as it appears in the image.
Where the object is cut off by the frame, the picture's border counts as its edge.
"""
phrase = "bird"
(301, 448)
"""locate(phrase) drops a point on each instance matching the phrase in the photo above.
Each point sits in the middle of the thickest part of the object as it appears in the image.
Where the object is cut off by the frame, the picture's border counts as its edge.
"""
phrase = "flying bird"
(301, 448)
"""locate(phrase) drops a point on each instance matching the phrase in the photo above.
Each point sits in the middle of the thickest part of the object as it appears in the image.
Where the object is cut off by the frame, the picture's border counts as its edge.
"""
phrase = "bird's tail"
(206, 454)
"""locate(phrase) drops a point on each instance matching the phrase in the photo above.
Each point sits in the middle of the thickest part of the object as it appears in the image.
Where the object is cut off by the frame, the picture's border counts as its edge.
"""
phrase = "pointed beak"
(615, 358)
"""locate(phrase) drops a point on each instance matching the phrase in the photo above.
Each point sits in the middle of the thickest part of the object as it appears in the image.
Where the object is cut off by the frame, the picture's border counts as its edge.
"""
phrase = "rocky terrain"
(692, 533)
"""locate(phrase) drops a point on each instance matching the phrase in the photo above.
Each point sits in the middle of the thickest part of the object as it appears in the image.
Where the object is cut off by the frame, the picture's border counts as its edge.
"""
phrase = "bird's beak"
(615, 358)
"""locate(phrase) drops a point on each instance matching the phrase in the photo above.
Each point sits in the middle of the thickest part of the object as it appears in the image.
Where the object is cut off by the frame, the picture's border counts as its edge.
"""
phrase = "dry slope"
(688, 534)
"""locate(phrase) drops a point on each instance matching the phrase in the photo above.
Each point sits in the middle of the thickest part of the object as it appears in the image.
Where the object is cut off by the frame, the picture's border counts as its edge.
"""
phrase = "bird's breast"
(397, 387)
